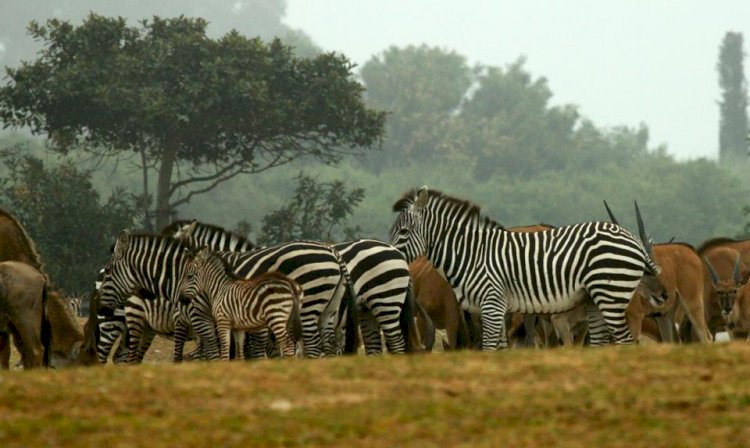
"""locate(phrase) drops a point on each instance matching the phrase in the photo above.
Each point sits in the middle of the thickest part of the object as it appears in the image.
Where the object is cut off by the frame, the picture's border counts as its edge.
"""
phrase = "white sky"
(623, 62)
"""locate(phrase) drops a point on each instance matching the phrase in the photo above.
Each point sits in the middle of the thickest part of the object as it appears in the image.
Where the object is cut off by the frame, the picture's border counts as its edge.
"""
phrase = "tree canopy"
(206, 109)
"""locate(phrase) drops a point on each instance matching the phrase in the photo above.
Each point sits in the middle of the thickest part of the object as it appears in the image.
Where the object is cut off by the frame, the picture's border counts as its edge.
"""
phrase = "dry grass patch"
(619, 396)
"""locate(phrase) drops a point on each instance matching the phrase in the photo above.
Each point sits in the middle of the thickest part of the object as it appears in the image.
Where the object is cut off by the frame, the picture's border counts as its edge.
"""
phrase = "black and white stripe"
(542, 272)
(267, 302)
(378, 271)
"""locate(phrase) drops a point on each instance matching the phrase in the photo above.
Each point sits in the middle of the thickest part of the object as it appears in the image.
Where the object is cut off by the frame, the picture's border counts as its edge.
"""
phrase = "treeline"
(488, 134)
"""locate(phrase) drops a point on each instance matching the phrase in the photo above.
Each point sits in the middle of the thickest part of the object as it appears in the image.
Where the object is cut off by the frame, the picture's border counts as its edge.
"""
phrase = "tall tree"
(200, 110)
(420, 87)
(733, 126)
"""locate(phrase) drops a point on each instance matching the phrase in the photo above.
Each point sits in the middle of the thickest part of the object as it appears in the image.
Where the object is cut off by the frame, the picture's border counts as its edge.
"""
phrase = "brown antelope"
(724, 274)
(682, 277)
(67, 338)
(738, 321)
(437, 298)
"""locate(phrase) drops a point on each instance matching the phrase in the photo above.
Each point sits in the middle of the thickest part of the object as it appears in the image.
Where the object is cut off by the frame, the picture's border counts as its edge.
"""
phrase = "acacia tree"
(200, 111)
(733, 125)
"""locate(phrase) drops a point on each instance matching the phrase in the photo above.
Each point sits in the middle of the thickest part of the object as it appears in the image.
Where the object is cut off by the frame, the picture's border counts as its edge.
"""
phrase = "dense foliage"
(63, 212)
(316, 212)
(199, 110)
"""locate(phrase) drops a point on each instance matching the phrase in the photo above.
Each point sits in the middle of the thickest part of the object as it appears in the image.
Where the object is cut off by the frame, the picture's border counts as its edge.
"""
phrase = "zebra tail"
(352, 321)
(294, 325)
(463, 340)
(348, 305)
(406, 318)
(46, 332)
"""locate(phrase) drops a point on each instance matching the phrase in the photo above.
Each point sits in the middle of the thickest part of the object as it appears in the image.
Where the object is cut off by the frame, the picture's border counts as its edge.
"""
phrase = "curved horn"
(736, 275)
(611, 215)
(714, 276)
(642, 231)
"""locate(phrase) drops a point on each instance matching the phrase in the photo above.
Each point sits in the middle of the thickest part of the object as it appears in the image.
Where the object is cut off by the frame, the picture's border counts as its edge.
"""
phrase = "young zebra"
(380, 277)
(271, 300)
(157, 263)
(544, 272)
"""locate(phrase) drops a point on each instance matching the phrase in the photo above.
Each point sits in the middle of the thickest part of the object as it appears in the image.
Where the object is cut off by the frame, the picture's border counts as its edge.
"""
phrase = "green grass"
(648, 395)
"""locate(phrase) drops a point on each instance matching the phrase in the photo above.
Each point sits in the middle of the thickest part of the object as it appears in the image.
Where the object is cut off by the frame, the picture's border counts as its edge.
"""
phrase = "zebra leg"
(311, 336)
(239, 344)
(135, 326)
(277, 325)
(494, 335)
(255, 344)
(146, 339)
(224, 331)
(370, 332)
(387, 320)
(598, 332)
(201, 319)
(613, 311)
(180, 336)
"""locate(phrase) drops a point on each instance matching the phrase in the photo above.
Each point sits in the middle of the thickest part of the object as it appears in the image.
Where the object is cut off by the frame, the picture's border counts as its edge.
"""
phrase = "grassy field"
(648, 395)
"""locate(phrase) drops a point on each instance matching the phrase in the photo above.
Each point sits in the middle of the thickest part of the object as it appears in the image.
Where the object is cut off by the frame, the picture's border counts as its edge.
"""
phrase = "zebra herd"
(199, 281)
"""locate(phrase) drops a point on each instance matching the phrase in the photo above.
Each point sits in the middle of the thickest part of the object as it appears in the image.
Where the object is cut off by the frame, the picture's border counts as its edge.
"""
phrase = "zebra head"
(192, 285)
(117, 282)
(406, 233)
(185, 231)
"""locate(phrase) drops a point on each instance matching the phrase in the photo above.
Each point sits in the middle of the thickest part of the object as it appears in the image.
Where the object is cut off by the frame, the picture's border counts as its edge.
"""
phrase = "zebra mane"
(463, 206)
(164, 239)
(171, 229)
(713, 242)
(214, 258)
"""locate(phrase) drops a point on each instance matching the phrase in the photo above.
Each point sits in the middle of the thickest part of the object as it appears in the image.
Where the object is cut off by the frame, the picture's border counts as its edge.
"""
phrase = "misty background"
(534, 110)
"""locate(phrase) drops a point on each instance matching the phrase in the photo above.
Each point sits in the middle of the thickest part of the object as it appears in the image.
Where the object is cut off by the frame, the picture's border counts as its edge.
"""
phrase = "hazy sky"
(621, 62)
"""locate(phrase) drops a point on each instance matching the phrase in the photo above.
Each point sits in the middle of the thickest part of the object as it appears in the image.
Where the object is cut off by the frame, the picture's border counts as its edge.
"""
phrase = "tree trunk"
(163, 209)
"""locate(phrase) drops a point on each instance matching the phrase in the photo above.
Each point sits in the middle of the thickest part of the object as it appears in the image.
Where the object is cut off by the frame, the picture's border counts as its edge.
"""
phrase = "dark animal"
(23, 313)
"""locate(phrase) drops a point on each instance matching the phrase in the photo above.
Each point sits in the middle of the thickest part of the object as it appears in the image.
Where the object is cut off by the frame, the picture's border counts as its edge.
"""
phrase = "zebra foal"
(268, 301)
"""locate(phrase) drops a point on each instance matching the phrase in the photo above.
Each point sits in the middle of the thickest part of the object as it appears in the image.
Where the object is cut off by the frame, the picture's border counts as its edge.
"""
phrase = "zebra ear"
(421, 200)
(123, 239)
(190, 228)
(203, 253)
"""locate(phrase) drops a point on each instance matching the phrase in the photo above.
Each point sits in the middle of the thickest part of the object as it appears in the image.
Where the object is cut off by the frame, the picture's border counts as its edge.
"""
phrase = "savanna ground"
(639, 396)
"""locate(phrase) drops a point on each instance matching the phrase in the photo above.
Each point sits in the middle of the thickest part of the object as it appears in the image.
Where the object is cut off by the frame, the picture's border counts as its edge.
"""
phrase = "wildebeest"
(23, 313)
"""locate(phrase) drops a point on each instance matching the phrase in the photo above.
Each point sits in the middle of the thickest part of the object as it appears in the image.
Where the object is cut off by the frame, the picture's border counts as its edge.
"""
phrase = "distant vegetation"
(483, 133)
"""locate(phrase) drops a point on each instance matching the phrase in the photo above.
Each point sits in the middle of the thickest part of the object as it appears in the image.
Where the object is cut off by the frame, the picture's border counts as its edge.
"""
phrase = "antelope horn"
(611, 215)
(736, 274)
(642, 231)
(714, 276)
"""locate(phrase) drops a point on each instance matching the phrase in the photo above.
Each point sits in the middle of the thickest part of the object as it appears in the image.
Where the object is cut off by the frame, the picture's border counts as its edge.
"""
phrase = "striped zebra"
(269, 301)
(157, 264)
(543, 272)
(378, 271)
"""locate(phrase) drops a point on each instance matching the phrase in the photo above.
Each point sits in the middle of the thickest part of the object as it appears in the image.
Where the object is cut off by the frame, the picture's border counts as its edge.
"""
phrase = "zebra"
(380, 276)
(541, 272)
(148, 315)
(270, 300)
(157, 263)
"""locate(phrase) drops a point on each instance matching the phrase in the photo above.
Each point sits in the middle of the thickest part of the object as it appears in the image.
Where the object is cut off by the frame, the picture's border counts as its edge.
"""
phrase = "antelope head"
(726, 289)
